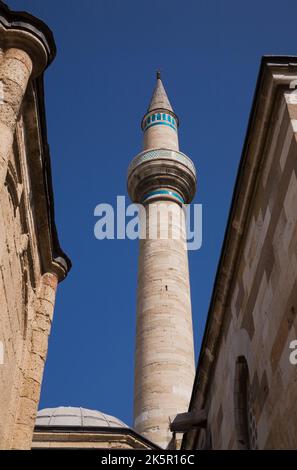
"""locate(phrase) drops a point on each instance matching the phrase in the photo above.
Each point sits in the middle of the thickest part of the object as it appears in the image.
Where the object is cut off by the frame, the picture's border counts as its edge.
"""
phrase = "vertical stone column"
(162, 179)
(23, 55)
(15, 70)
(34, 360)
(164, 367)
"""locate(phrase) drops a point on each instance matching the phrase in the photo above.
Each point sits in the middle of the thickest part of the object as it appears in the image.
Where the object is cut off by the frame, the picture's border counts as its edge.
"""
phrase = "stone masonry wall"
(261, 318)
(26, 303)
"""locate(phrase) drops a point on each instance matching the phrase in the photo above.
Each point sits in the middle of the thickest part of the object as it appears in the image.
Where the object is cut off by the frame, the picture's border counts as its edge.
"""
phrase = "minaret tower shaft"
(162, 178)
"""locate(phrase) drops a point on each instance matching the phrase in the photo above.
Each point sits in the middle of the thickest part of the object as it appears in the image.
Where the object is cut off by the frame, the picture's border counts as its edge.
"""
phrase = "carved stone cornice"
(23, 31)
(158, 169)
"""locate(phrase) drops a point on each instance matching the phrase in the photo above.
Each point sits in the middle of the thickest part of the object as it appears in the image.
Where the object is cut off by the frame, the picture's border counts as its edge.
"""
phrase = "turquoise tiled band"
(158, 119)
(163, 191)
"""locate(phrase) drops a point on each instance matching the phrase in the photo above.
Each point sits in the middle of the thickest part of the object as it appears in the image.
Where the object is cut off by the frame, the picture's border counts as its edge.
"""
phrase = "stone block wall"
(257, 408)
(31, 260)
(26, 302)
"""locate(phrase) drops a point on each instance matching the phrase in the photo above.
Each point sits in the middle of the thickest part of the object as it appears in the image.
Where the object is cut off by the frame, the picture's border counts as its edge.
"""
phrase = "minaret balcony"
(163, 171)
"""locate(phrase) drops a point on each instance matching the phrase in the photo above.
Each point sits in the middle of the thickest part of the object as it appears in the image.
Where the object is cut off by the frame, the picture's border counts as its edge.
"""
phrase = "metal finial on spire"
(159, 99)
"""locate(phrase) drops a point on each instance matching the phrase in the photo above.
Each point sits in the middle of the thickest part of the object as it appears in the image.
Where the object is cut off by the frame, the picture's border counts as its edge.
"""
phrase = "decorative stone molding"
(20, 30)
(161, 153)
(161, 169)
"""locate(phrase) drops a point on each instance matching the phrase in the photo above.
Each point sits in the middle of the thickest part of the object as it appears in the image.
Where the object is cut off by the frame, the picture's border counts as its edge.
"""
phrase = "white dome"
(75, 416)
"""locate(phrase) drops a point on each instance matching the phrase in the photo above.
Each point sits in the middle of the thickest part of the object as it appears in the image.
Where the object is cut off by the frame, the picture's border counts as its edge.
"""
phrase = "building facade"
(245, 381)
(31, 260)
(245, 386)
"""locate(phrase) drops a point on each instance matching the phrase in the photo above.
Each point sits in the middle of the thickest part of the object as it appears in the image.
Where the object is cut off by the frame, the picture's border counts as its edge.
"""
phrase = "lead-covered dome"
(75, 416)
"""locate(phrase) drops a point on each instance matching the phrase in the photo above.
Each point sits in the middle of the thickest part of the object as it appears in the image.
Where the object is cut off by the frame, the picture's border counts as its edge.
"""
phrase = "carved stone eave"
(24, 31)
(275, 75)
(53, 259)
(89, 437)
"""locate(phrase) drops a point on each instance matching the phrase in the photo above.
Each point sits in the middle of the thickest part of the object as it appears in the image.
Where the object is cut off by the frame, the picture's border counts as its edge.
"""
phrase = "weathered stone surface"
(255, 293)
(27, 292)
(15, 69)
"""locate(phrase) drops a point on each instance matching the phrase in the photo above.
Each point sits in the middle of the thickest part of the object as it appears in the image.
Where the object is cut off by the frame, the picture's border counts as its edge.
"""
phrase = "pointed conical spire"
(159, 99)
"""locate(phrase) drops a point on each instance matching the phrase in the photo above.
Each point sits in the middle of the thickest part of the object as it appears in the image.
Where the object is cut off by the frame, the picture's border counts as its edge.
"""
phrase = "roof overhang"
(76, 431)
(23, 21)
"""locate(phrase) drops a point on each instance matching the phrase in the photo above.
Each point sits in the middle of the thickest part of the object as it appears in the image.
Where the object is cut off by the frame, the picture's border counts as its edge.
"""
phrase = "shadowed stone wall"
(250, 391)
(26, 303)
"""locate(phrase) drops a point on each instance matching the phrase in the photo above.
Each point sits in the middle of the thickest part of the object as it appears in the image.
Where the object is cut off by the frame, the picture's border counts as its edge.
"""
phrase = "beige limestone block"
(164, 369)
(15, 71)
(160, 137)
(33, 362)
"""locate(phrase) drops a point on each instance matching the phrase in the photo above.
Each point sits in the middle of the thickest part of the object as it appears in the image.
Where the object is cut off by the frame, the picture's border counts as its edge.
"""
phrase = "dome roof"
(74, 416)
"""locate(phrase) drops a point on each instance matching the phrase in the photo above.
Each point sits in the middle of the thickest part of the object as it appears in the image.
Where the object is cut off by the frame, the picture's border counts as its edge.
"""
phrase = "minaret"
(162, 179)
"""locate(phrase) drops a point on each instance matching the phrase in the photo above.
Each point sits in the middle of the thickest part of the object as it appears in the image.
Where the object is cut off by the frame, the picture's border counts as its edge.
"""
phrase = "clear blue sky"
(97, 90)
